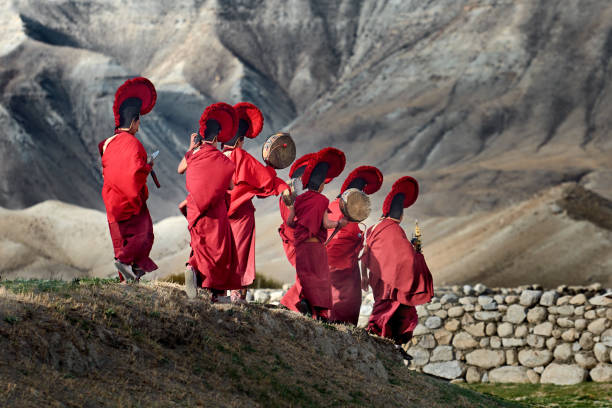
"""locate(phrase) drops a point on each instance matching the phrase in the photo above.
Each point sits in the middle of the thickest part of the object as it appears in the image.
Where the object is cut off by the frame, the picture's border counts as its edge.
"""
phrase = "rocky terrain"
(98, 343)
(508, 335)
(486, 102)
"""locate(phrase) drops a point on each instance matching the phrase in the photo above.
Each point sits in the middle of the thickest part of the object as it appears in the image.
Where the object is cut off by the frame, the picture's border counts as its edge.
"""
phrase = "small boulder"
(598, 326)
(602, 373)
(485, 358)
(543, 329)
(585, 360)
(516, 314)
(433, 322)
(537, 315)
(463, 340)
(530, 297)
(441, 353)
(601, 353)
(563, 374)
(549, 298)
(447, 369)
(534, 358)
(509, 374)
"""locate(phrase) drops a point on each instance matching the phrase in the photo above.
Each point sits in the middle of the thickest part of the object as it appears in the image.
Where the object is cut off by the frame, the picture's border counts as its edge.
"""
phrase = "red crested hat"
(405, 185)
(335, 159)
(301, 162)
(252, 114)
(371, 175)
(140, 88)
(225, 115)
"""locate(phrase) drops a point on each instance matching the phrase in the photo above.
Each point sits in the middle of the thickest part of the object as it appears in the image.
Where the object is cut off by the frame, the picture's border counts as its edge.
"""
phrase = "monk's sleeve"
(262, 178)
(135, 170)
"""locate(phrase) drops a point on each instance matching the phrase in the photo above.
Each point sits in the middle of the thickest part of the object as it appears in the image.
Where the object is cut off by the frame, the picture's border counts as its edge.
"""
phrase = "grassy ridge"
(96, 343)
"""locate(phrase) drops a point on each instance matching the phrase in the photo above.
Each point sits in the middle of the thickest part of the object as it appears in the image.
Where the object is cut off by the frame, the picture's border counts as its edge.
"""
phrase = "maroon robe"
(125, 170)
(251, 178)
(400, 280)
(312, 270)
(213, 254)
(286, 232)
(343, 257)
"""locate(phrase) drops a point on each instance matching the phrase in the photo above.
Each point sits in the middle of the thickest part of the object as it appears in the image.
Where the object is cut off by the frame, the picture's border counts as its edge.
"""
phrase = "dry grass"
(99, 343)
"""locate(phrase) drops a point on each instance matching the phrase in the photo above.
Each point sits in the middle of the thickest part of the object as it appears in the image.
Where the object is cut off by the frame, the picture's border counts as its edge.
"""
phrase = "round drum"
(355, 205)
(279, 151)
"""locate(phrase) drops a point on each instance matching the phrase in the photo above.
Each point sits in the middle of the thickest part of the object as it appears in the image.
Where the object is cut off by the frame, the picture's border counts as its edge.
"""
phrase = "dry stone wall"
(508, 335)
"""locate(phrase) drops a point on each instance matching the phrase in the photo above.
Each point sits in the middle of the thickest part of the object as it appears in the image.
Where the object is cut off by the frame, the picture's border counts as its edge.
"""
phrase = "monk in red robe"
(285, 231)
(125, 168)
(308, 216)
(399, 276)
(344, 248)
(251, 178)
(213, 263)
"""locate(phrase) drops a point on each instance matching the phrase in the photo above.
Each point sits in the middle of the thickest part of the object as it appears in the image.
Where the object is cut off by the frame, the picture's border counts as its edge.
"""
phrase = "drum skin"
(279, 151)
(355, 205)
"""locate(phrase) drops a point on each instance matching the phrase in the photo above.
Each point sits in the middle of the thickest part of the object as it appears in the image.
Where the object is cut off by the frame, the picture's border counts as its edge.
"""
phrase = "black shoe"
(304, 307)
(404, 354)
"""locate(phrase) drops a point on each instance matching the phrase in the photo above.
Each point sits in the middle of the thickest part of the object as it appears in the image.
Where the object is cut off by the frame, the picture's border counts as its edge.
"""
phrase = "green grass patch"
(261, 281)
(587, 394)
(22, 286)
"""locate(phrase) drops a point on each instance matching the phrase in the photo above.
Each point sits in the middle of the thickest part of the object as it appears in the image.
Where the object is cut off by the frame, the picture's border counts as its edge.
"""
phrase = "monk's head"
(317, 177)
(397, 207)
(213, 128)
(129, 115)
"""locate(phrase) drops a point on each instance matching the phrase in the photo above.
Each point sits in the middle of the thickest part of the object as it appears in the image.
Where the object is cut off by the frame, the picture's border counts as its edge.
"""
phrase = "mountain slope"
(95, 343)
(485, 102)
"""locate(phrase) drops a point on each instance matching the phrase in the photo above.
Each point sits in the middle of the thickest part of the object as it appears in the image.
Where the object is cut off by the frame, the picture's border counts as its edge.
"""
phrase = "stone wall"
(518, 335)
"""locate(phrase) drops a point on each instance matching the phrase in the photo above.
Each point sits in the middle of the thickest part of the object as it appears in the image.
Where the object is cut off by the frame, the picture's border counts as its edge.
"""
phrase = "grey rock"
(422, 311)
(420, 330)
(579, 310)
(484, 342)
(499, 299)
(601, 353)
(485, 358)
(468, 290)
(563, 374)
(591, 314)
(530, 297)
(586, 341)
(602, 373)
(469, 300)
(452, 325)
(515, 314)
(276, 295)
(448, 369)
(433, 322)
(563, 300)
(442, 314)
(511, 357)
(579, 299)
(490, 306)
(491, 329)
(509, 374)
(511, 299)
(495, 342)
(570, 335)
(521, 331)
(479, 288)
(427, 341)
(580, 324)
(565, 322)
(606, 337)
(565, 310)
(487, 316)
(600, 301)
(442, 353)
(585, 360)
(469, 307)
(261, 296)
(533, 376)
(551, 343)
(563, 352)
(420, 356)
(433, 306)
(534, 358)
(485, 300)
(443, 336)
(449, 298)
(549, 298)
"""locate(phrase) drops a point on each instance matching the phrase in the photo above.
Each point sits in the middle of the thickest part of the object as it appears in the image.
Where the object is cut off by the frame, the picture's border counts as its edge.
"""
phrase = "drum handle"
(333, 234)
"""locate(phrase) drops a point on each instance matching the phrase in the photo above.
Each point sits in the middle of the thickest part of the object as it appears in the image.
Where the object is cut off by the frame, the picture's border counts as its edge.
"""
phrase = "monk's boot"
(125, 270)
(407, 357)
(304, 307)
(191, 280)
(138, 272)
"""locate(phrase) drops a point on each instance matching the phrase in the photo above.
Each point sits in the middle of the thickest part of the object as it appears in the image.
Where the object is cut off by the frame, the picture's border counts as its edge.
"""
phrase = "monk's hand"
(342, 222)
(193, 143)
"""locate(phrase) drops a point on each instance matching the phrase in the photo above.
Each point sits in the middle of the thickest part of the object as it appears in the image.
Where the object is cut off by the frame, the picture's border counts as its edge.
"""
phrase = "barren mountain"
(486, 102)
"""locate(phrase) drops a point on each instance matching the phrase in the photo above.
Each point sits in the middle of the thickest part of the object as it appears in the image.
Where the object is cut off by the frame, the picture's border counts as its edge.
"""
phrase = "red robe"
(400, 280)
(343, 257)
(251, 178)
(213, 251)
(125, 193)
(312, 270)
(286, 232)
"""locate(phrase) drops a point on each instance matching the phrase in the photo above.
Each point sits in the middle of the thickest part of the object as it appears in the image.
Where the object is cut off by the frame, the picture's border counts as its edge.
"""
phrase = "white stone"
(442, 353)
(485, 300)
(472, 375)
(366, 309)
(579, 310)
(479, 288)
(585, 360)
(433, 322)
(487, 316)
(602, 373)
(490, 306)
(422, 311)
(516, 314)
(467, 300)
(586, 341)
(601, 353)
(511, 357)
(606, 337)
(509, 374)
(452, 325)
(468, 290)
(565, 310)
(580, 324)
(563, 374)
(534, 358)
(549, 298)
(485, 358)
(443, 336)
(534, 377)
(261, 296)
(535, 341)
(419, 355)
(511, 342)
(521, 331)
(530, 297)
(491, 329)
(601, 301)
(565, 322)
(484, 342)
(563, 300)
(420, 330)
(455, 311)
(591, 314)
(536, 315)
(434, 306)
(276, 296)
(469, 307)
(579, 299)
(543, 329)
(463, 340)
(442, 314)
(598, 326)
(570, 335)
(551, 343)
(495, 342)
(505, 329)
(498, 299)
(476, 330)
(448, 369)
(427, 341)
